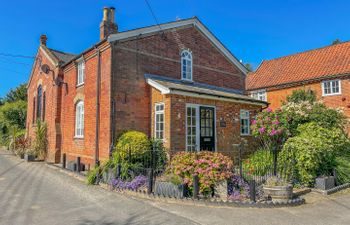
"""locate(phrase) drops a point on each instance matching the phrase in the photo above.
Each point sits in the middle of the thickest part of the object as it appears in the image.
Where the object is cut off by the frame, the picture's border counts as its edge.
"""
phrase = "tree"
(19, 93)
(336, 41)
(301, 95)
(249, 67)
(13, 114)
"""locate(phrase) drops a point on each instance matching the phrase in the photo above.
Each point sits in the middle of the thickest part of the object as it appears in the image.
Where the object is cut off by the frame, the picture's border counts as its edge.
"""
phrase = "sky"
(253, 30)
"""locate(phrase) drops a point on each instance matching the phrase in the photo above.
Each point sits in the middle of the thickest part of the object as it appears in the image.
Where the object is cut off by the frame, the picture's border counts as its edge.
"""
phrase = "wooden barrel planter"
(278, 193)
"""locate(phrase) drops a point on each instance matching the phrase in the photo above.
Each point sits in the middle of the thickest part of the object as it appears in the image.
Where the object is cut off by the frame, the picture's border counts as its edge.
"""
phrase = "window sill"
(246, 135)
(187, 81)
(79, 85)
(78, 137)
(326, 95)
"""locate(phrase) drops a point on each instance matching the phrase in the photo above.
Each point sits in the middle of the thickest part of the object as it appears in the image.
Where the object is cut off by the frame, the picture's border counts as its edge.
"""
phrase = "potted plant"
(29, 155)
(325, 182)
(277, 189)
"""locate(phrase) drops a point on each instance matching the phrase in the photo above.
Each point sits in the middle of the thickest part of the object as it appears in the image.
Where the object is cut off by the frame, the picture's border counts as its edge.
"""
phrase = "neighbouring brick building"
(174, 82)
(326, 71)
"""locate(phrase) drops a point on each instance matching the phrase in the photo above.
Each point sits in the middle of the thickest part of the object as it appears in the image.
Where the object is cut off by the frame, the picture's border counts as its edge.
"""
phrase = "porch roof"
(168, 85)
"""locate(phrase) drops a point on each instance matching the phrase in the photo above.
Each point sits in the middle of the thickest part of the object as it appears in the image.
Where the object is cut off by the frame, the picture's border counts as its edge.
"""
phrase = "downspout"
(97, 128)
(113, 102)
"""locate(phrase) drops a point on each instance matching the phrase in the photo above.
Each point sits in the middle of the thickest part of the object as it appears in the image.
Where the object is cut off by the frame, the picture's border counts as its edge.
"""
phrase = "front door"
(207, 128)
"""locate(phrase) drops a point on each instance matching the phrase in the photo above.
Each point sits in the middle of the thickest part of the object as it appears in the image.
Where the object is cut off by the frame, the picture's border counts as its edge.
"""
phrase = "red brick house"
(174, 82)
(325, 70)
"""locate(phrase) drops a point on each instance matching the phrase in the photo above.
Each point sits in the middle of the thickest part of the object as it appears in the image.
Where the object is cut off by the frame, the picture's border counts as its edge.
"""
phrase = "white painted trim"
(164, 90)
(197, 106)
(332, 94)
(195, 22)
(206, 96)
(240, 125)
(190, 58)
(155, 120)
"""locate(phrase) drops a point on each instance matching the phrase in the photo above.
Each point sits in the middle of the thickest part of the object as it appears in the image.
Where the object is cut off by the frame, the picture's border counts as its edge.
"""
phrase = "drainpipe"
(97, 129)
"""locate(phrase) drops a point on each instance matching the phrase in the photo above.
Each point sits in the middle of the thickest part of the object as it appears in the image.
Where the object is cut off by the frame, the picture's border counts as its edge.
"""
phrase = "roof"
(174, 86)
(322, 63)
(63, 57)
(180, 23)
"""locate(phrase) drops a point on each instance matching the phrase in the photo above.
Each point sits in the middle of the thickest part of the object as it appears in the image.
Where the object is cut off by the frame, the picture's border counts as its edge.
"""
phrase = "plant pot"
(278, 193)
(169, 189)
(29, 157)
(325, 183)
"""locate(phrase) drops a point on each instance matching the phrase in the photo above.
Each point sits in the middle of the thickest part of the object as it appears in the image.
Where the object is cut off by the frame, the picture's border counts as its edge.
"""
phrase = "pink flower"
(262, 130)
(254, 122)
(273, 132)
(269, 110)
(276, 122)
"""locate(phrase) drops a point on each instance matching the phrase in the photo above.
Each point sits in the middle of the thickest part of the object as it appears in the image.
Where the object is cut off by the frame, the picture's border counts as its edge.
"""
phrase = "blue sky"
(253, 30)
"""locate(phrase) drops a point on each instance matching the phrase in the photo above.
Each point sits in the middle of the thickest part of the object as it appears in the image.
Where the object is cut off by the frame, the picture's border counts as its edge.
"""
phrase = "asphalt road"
(33, 193)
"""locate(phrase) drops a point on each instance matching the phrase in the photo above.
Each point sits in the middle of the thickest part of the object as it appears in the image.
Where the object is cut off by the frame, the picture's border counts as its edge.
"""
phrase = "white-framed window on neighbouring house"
(259, 95)
(191, 126)
(186, 65)
(245, 122)
(79, 119)
(81, 73)
(159, 121)
(331, 87)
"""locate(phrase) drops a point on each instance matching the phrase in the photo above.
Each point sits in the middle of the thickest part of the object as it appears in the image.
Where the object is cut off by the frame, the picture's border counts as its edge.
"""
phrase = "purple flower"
(134, 184)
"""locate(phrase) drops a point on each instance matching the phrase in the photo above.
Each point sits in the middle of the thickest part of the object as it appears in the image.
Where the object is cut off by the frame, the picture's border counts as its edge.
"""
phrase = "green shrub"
(211, 168)
(259, 163)
(132, 144)
(40, 141)
(312, 152)
(92, 175)
(343, 167)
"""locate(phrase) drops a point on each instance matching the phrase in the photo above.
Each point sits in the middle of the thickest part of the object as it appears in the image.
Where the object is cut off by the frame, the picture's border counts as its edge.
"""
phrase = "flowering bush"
(238, 188)
(210, 167)
(135, 184)
(269, 128)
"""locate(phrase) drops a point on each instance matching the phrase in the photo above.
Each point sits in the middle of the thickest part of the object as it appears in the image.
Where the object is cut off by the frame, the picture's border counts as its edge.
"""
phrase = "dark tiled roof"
(200, 88)
(315, 64)
(63, 57)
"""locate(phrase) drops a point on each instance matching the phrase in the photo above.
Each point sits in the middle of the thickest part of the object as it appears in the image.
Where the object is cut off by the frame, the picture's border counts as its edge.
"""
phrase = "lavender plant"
(135, 184)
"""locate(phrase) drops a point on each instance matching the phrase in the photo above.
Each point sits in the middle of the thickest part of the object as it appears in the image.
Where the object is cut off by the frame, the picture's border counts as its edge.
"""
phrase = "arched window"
(39, 103)
(186, 65)
(79, 119)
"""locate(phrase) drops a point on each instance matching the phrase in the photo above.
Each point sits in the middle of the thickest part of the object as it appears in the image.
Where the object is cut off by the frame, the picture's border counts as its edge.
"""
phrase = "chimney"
(43, 39)
(108, 25)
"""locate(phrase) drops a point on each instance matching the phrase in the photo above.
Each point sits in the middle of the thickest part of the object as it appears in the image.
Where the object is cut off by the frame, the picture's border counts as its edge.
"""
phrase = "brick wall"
(160, 55)
(276, 97)
(52, 106)
(85, 147)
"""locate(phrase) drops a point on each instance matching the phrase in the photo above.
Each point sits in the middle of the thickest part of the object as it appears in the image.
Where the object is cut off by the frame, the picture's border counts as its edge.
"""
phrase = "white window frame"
(156, 113)
(259, 95)
(197, 106)
(244, 115)
(80, 73)
(331, 89)
(188, 58)
(79, 120)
